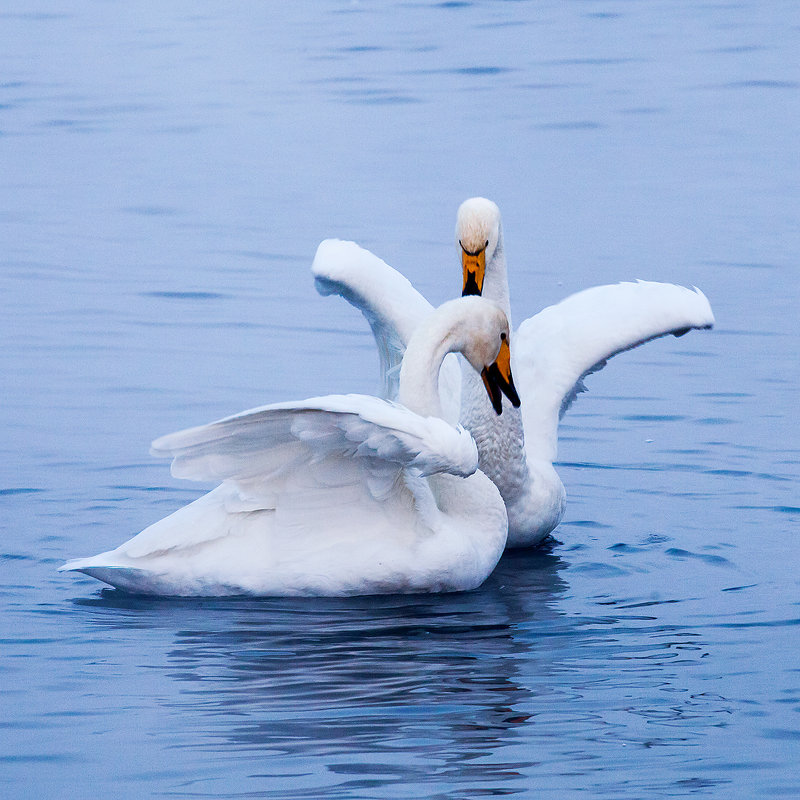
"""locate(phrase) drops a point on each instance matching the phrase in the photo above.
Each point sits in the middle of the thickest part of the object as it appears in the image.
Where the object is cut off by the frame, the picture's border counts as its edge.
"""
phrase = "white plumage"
(333, 495)
(551, 354)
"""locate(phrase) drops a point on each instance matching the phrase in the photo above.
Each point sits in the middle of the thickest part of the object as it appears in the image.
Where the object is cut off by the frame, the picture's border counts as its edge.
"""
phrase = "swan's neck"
(419, 373)
(495, 285)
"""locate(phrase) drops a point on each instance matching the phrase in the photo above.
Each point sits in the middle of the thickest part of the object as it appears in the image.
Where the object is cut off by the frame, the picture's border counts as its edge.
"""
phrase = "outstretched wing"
(328, 462)
(393, 308)
(267, 443)
(388, 301)
(562, 344)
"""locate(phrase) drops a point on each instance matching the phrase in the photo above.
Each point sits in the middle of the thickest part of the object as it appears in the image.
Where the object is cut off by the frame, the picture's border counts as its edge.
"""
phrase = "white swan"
(552, 352)
(336, 495)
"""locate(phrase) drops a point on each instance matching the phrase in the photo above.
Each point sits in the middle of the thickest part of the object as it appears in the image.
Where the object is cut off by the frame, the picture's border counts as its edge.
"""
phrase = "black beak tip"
(497, 386)
(492, 389)
(470, 286)
(497, 403)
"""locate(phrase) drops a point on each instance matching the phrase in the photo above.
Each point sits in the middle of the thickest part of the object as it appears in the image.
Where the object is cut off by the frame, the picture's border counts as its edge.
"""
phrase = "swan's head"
(485, 345)
(477, 234)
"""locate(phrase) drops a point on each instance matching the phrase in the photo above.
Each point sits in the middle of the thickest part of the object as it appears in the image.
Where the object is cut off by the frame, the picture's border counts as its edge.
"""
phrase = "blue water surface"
(167, 171)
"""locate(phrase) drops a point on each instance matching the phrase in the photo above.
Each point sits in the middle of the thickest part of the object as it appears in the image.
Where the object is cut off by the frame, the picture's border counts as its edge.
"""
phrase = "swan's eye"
(502, 337)
(487, 243)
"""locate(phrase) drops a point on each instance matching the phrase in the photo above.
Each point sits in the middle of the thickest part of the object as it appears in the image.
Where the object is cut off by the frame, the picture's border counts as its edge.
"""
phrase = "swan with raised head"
(336, 495)
(553, 351)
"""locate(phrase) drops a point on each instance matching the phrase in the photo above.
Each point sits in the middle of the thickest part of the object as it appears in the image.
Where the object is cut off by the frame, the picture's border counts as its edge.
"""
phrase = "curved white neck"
(419, 373)
(495, 284)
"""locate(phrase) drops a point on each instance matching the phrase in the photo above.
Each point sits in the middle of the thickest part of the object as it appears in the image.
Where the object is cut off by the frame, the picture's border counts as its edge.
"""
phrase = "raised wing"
(393, 308)
(388, 301)
(328, 463)
(562, 344)
(268, 443)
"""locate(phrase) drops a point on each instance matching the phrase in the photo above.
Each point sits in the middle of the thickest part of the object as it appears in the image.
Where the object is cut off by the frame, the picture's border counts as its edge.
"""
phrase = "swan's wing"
(391, 305)
(562, 344)
(320, 466)
(266, 444)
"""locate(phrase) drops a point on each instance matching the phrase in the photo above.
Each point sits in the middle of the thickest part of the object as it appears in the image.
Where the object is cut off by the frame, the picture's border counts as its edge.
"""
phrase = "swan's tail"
(130, 579)
(140, 580)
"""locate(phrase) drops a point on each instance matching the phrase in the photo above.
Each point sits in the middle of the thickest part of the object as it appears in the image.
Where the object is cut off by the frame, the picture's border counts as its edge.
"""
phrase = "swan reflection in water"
(472, 689)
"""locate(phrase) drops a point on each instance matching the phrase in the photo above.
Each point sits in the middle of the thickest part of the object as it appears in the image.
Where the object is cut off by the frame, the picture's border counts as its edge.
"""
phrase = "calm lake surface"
(166, 173)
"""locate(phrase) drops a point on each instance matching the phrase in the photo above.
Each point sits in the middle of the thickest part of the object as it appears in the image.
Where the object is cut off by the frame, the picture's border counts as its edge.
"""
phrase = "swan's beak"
(497, 378)
(474, 265)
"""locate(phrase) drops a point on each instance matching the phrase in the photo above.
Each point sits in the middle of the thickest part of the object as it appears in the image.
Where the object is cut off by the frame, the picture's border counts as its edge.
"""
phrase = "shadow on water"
(476, 689)
(427, 676)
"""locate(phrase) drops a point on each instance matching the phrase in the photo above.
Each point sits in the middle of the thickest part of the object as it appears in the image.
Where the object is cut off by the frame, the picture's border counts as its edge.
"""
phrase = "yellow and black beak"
(497, 378)
(474, 265)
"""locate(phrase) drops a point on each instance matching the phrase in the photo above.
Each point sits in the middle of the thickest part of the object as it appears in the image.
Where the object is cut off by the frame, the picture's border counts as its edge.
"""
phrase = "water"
(167, 172)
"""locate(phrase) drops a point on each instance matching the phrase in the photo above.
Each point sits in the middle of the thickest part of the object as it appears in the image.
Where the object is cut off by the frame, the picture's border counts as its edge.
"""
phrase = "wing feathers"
(562, 344)
(271, 440)
(388, 301)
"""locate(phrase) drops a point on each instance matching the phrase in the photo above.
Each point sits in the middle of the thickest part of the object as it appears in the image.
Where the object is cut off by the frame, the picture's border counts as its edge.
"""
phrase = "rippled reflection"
(460, 691)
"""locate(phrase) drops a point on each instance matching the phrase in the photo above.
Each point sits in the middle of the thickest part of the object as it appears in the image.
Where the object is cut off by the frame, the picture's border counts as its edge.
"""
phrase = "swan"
(335, 495)
(553, 351)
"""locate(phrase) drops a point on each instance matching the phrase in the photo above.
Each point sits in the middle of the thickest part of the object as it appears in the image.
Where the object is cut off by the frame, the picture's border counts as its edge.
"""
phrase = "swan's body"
(336, 495)
(552, 352)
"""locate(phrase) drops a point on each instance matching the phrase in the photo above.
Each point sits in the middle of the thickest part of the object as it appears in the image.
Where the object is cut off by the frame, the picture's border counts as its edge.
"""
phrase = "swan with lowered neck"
(336, 495)
(552, 352)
